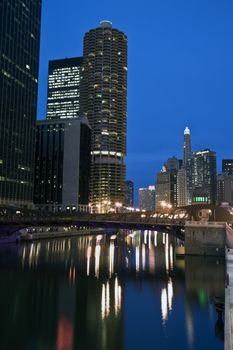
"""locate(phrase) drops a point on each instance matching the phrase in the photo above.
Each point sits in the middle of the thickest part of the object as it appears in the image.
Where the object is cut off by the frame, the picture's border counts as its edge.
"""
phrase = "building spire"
(187, 151)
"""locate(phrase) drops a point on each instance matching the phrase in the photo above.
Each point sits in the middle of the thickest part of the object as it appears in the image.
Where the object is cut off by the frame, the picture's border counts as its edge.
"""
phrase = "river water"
(125, 291)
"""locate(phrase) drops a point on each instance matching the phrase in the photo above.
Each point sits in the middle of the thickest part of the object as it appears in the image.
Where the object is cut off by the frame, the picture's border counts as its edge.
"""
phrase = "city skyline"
(189, 80)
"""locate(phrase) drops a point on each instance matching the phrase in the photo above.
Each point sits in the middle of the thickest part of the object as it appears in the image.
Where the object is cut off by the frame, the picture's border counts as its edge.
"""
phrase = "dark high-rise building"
(224, 189)
(146, 198)
(187, 151)
(62, 164)
(163, 189)
(227, 166)
(19, 61)
(129, 193)
(201, 176)
(64, 88)
(103, 102)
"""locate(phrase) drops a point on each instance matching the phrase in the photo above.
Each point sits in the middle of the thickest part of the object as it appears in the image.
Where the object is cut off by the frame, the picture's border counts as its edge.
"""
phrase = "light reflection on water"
(125, 291)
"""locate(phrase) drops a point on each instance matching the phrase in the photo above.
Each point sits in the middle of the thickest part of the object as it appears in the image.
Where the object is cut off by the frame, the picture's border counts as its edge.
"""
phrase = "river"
(124, 291)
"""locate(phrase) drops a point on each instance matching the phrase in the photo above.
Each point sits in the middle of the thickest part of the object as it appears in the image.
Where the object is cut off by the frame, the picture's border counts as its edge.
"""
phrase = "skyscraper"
(166, 184)
(19, 61)
(64, 88)
(182, 194)
(201, 176)
(187, 151)
(227, 166)
(129, 193)
(146, 198)
(103, 101)
(182, 186)
(62, 164)
(225, 189)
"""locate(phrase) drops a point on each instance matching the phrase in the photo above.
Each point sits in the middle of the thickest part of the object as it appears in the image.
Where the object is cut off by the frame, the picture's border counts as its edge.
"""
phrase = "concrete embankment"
(205, 238)
(31, 234)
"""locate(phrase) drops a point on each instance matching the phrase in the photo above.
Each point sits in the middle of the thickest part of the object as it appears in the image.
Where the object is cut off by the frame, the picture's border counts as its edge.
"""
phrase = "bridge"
(175, 217)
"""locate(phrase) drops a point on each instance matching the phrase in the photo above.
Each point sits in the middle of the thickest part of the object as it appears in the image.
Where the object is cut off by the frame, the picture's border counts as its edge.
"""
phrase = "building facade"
(163, 189)
(146, 197)
(62, 164)
(64, 88)
(182, 194)
(129, 194)
(201, 175)
(227, 166)
(19, 62)
(103, 102)
(187, 150)
(225, 189)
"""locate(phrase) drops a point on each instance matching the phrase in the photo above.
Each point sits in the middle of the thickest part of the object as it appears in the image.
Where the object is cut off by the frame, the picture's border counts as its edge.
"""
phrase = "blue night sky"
(180, 71)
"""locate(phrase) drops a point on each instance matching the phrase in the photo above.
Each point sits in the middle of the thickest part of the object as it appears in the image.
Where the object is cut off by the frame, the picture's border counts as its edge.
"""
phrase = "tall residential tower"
(103, 102)
(19, 61)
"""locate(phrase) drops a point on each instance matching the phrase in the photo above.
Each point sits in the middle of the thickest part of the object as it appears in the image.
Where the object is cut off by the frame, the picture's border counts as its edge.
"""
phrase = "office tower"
(182, 195)
(62, 164)
(201, 177)
(225, 189)
(146, 198)
(163, 189)
(173, 166)
(227, 166)
(187, 152)
(64, 88)
(166, 184)
(19, 61)
(182, 185)
(103, 102)
(129, 193)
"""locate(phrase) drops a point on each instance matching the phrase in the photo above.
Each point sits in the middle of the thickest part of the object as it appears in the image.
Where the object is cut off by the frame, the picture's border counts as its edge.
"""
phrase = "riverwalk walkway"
(229, 301)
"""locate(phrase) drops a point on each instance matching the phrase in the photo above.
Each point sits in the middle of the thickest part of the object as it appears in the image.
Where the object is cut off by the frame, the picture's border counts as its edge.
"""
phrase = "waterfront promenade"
(229, 301)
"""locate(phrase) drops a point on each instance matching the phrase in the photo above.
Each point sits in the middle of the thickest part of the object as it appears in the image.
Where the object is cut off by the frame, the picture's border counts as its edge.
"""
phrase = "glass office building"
(64, 88)
(19, 61)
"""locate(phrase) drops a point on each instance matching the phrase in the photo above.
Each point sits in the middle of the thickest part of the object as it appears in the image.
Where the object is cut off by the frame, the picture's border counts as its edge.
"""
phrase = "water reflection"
(127, 291)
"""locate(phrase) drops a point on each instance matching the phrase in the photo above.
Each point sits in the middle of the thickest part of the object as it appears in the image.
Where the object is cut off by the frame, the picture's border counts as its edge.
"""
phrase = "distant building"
(129, 193)
(227, 166)
(201, 175)
(64, 88)
(19, 64)
(225, 189)
(62, 164)
(187, 151)
(173, 166)
(147, 198)
(163, 189)
(200, 196)
(166, 184)
(182, 194)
